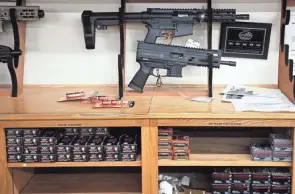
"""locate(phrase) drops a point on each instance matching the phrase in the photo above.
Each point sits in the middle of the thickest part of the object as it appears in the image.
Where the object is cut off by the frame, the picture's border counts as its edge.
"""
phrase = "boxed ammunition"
(47, 150)
(95, 144)
(260, 189)
(128, 156)
(79, 145)
(180, 143)
(261, 158)
(280, 189)
(111, 144)
(31, 132)
(14, 141)
(240, 188)
(282, 156)
(222, 176)
(165, 155)
(165, 134)
(102, 131)
(72, 131)
(46, 158)
(31, 141)
(86, 131)
(30, 158)
(31, 150)
(128, 144)
(96, 157)
(64, 157)
(221, 188)
(64, 144)
(112, 157)
(282, 149)
(80, 157)
(14, 150)
(14, 158)
(261, 176)
(49, 137)
(280, 176)
(181, 155)
(281, 140)
(241, 176)
(14, 133)
(165, 146)
(261, 152)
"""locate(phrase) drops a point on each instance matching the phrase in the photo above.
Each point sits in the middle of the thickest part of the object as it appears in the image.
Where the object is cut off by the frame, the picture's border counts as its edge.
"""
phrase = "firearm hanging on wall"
(13, 14)
(151, 56)
(160, 22)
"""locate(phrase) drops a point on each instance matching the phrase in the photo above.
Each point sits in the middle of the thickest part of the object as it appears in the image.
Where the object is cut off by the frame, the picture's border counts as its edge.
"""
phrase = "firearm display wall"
(56, 54)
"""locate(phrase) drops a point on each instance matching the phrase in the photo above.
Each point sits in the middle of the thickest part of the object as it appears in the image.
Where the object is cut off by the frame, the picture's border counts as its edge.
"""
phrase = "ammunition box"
(96, 157)
(181, 144)
(128, 144)
(181, 155)
(64, 157)
(128, 156)
(31, 132)
(31, 158)
(64, 144)
(31, 141)
(280, 176)
(47, 150)
(14, 150)
(280, 189)
(102, 131)
(222, 175)
(260, 189)
(47, 158)
(14, 141)
(49, 137)
(240, 188)
(241, 176)
(95, 145)
(14, 158)
(165, 155)
(165, 146)
(31, 150)
(111, 144)
(87, 131)
(221, 188)
(165, 134)
(72, 131)
(112, 157)
(79, 145)
(261, 176)
(14, 133)
(80, 158)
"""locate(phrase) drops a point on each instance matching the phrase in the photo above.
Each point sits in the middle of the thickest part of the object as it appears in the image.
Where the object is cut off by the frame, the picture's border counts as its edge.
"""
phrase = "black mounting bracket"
(286, 54)
(121, 56)
(291, 70)
(210, 57)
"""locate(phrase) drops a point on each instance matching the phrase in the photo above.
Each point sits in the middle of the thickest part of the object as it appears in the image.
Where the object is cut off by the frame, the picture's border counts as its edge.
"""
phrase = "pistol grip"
(88, 28)
(13, 78)
(138, 81)
(152, 34)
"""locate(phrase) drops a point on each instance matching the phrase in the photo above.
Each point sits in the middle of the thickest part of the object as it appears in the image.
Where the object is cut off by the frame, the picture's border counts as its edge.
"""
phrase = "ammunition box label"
(112, 148)
(14, 150)
(80, 158)
(14, 158)
(47, 141)
(79, 150)
(96, 157)
(47, 149)
(128, 157)
(47, 158)
(14, 141)
(112, 157)
(31, 132)
(64, 157)
(129, 148)
(30, 158)
(87, 131)
(63, 149)
(31, 150)
(95, 149)
(13, 132)
(31, 141)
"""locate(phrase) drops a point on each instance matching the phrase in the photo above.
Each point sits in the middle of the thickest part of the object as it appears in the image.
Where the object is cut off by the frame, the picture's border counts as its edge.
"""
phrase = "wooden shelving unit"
(149, 113)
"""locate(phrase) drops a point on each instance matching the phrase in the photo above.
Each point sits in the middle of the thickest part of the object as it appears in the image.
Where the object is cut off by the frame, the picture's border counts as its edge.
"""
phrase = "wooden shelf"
(76, 164)
(222, 160)
(94, 183)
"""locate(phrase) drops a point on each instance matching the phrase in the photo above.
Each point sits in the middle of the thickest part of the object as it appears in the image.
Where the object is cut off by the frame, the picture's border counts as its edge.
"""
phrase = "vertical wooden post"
(153, 150)
(293, 163)
(145, 157)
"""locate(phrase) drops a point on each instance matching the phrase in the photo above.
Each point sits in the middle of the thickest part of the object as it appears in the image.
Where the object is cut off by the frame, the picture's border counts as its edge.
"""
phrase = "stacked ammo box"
(69, 145)
(279, 148)
(255, 181)
(172, 147)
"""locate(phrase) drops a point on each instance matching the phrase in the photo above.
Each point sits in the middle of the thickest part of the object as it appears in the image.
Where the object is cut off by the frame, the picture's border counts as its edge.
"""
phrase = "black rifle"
(160, 22)
(151, 56)
(13, 14)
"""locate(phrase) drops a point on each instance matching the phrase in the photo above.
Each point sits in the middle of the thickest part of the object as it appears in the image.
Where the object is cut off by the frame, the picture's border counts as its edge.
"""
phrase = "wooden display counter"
(37, 107)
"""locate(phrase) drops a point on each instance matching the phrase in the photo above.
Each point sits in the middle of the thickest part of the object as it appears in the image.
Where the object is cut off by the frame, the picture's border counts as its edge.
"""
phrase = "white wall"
(56, 54)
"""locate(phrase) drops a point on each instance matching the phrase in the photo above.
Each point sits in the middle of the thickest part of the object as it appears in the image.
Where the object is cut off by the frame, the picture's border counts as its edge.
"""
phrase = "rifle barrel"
(229, 63)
